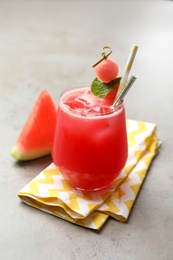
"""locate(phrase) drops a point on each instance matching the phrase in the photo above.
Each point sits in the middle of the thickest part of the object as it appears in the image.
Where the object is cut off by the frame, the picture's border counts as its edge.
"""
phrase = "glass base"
(108, 188)
(85, 183)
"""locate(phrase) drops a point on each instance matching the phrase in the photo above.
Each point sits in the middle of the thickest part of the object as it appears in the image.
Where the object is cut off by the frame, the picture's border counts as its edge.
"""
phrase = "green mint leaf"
(101, 89)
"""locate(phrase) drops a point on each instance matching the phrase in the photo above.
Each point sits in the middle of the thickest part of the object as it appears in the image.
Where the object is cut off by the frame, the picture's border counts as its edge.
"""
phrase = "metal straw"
(125, 90)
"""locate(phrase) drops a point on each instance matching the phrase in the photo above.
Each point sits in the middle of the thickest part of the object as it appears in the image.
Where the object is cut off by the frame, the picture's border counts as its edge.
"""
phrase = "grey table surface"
(52, 45)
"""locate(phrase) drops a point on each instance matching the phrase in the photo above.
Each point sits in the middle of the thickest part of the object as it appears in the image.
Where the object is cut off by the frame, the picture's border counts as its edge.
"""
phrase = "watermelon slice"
(35, 139)
(110, 97)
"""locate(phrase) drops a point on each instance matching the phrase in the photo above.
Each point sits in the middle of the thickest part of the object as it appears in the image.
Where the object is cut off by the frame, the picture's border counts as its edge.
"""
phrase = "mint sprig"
(101, 89)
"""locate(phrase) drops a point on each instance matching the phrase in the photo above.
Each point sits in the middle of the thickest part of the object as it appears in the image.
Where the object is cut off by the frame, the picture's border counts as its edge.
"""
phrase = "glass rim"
(112, 112)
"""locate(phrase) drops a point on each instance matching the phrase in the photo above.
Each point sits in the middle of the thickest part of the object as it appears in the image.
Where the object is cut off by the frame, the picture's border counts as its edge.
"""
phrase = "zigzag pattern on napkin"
(119, 204)
(49, 187)
(49, 192)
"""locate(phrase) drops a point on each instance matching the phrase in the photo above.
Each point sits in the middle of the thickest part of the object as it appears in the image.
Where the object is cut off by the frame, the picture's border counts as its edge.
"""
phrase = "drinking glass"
(90, 141)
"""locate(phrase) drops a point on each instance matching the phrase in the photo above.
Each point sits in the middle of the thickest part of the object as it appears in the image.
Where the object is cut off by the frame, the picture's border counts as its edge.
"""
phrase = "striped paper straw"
(124, 91)
(128, 67)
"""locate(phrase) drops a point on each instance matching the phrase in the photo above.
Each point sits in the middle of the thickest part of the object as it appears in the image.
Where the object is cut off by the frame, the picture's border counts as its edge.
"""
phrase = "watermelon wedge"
(110, 97)
(35, 139)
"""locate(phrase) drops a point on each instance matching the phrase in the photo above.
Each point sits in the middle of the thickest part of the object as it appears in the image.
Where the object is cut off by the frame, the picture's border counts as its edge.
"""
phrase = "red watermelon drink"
(90, 142)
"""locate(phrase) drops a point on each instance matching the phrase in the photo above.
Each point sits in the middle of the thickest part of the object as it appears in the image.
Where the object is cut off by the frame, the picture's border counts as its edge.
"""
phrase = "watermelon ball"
(107, 70)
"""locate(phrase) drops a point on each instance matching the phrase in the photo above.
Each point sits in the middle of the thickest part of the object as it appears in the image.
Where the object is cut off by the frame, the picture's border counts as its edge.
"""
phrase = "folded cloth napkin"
(50, 192)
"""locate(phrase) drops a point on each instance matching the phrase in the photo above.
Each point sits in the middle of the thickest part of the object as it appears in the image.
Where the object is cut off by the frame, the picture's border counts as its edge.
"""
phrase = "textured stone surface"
(53, 44)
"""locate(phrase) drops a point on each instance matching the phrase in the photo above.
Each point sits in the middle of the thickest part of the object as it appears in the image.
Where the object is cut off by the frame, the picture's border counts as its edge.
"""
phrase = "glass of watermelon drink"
(90, 141)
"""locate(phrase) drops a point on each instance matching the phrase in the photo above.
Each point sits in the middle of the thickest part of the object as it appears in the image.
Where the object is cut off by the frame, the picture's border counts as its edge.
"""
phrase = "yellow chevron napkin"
(49, 191)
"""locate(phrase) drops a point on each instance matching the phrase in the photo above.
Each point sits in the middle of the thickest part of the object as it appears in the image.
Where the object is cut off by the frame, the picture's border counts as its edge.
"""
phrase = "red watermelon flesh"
(110, 97)
(35, 139)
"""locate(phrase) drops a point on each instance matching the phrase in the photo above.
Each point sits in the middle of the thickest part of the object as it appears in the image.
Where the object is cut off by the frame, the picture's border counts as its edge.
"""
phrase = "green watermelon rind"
(21, 155)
